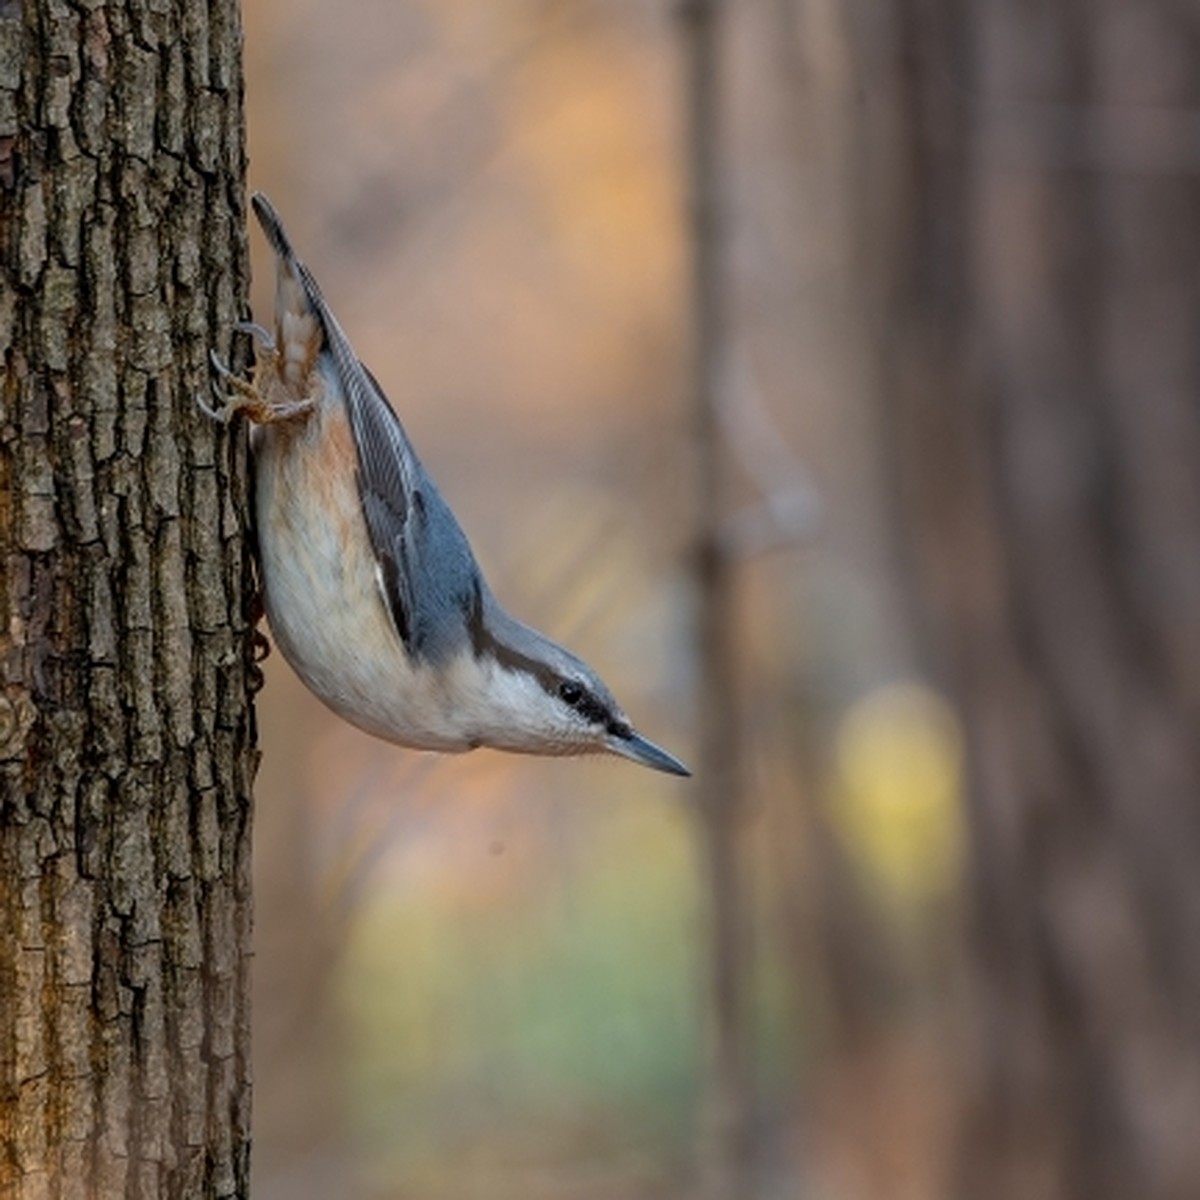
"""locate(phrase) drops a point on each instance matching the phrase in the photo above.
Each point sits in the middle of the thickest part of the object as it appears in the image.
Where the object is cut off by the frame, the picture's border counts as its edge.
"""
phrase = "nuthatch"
(370, 586)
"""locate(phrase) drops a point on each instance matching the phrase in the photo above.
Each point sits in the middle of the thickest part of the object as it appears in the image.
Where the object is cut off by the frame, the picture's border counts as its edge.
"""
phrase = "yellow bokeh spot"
(897, 799)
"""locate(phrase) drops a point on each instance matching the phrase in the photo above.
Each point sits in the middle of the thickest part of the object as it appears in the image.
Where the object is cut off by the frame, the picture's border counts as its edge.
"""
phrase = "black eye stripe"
(583, 702)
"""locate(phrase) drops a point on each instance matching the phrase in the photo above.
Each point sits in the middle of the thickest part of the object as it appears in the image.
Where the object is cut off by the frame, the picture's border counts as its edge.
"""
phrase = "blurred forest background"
(935, 929)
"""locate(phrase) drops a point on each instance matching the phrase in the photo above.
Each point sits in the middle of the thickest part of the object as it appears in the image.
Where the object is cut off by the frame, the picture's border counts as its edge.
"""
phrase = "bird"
(370, 587)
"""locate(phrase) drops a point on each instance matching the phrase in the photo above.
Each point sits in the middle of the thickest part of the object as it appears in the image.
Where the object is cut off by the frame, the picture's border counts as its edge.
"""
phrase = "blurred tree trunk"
(126, 731)
(1048, 374)
(727, 1137)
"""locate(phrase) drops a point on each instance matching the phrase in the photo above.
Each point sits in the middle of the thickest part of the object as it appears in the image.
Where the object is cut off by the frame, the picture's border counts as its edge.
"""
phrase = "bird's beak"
(639, 750)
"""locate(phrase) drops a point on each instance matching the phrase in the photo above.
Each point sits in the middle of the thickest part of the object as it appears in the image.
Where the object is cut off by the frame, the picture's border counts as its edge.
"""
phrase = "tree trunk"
(126, 728)
(727, 1151)
(1052, 435)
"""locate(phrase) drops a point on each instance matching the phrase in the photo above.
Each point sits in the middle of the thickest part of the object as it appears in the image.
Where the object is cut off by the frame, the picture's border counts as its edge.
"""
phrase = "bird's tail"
(299, 332)
(272, 226)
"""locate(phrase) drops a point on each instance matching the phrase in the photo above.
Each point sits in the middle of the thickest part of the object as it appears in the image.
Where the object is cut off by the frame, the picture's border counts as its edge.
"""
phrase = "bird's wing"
(389, 489)
(427, 570)
(389, 480)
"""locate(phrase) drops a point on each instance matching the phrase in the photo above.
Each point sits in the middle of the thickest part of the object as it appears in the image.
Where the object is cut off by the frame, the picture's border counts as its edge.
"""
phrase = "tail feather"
(298, 327)
(272, 226)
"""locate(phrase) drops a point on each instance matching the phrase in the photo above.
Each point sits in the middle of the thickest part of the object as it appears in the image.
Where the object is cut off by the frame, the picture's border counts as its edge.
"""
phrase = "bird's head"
(542, 699)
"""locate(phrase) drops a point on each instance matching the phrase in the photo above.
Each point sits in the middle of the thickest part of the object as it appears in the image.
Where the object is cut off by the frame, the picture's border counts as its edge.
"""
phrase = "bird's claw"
(244, 397)
(258, 333)
(220, 415)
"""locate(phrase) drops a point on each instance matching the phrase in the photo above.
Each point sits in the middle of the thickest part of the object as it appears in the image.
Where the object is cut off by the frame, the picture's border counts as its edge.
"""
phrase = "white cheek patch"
(495, 706)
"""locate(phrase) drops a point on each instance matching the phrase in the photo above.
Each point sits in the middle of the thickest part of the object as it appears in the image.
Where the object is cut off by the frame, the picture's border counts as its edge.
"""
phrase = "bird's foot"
(240, 396)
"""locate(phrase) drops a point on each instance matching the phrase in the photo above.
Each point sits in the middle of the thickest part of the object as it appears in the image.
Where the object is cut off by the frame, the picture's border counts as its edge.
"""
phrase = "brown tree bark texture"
(1052, 433)
(126, 732)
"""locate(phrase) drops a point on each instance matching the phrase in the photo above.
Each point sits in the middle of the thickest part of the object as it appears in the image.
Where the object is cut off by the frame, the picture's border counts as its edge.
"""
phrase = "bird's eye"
(570, 692)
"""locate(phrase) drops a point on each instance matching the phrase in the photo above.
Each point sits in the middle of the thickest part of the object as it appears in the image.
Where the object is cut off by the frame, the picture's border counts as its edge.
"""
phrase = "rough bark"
(1052, 435)
(126, 731)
